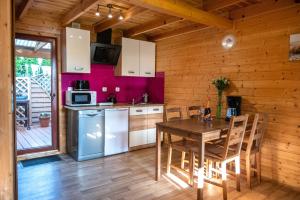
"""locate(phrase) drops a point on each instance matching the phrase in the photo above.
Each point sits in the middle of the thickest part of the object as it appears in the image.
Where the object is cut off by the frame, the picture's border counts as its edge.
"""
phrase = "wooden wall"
(7, 153)
(260, 72)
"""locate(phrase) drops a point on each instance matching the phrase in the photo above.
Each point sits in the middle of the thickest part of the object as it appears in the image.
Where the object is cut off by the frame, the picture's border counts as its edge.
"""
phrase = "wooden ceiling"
(154, 19)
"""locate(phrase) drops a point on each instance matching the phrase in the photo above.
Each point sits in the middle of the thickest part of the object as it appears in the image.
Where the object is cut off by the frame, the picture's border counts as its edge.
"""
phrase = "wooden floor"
(126, 176)
(36, 137)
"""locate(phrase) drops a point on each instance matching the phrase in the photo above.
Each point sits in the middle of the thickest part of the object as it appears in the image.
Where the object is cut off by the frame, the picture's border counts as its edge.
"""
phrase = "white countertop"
(118, 105)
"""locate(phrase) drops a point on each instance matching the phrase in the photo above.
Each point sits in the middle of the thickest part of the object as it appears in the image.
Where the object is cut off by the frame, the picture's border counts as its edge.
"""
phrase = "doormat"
(39, 161)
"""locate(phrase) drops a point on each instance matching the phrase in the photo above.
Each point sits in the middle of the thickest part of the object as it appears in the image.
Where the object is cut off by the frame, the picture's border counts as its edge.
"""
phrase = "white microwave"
(81, 98)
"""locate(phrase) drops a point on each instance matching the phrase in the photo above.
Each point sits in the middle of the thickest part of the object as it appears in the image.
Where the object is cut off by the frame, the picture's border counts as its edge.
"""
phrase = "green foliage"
(24, 69)
(39, 71)
(221, 83)
(46, 62)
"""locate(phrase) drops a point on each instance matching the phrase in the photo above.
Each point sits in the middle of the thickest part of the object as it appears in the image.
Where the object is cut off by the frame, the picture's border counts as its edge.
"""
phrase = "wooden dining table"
(195, 129)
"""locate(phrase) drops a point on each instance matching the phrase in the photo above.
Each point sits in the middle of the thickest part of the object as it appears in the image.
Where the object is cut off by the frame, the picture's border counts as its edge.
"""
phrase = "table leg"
(158, 155)
(200, 170)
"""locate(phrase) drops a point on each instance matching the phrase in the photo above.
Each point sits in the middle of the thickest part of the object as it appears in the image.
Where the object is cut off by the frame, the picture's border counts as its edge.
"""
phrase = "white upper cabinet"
(130, 57)
(137, 58)
(76, 51)
(147, 59)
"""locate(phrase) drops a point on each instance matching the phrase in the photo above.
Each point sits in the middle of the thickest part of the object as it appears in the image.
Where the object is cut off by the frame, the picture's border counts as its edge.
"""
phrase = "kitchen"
(105, 108)
(136, 99)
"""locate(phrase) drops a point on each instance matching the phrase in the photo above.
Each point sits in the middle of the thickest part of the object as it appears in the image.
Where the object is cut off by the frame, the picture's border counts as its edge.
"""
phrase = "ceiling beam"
(264, 6)
(78, 10)
(39, 45)
(110, 23)
(213, 5)
(177, 32)
(150, 26)
(32, 54)
(183, 10)
(23, 8)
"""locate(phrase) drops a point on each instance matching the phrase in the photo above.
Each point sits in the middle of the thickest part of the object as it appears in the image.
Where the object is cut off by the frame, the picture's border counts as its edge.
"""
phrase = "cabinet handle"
(139, 111)
(131, 72)
(147, 72)
(156, 109)
(78, 68)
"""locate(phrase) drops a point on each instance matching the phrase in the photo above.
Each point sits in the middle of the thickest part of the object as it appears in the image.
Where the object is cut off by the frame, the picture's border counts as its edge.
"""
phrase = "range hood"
(103, 52)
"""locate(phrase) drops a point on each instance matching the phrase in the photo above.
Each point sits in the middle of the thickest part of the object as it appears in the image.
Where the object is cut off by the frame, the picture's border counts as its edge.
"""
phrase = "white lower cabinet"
(142, 129)
(151, 135)
(138, 138)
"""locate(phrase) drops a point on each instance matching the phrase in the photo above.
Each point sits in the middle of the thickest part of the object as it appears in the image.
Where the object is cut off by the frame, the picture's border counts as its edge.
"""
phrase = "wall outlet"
(117, 89)
(104, 89)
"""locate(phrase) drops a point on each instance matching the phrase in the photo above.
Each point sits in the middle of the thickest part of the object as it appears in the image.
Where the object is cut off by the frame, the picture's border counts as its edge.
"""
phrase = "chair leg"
(191, 167)
(224, 180)
(258, 166)
(169, 160)
(237, 173)
(182, 159)
(248, 170)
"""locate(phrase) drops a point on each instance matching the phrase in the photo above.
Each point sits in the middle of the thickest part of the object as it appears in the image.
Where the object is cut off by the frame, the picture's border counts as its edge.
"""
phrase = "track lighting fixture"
(110, 15)
(98, 11)
(121, 15)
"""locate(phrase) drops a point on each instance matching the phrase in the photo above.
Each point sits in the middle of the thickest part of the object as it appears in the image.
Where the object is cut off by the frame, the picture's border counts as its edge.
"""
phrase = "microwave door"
(81, 98)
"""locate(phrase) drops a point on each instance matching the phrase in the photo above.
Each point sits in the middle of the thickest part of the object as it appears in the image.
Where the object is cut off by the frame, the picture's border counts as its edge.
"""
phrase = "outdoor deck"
(34, 138)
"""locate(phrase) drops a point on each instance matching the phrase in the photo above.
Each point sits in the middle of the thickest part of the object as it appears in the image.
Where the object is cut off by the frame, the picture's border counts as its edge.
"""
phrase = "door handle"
(53, 95)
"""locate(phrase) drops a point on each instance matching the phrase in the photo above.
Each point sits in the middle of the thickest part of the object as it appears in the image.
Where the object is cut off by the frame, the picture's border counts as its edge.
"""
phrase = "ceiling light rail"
(111, 7)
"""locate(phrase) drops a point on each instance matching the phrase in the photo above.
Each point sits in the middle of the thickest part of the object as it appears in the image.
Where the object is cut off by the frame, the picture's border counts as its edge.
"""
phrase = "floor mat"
(39, 161)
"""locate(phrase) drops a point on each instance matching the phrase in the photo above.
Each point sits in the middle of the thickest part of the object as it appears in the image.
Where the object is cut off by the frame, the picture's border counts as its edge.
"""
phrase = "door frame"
(54, 92)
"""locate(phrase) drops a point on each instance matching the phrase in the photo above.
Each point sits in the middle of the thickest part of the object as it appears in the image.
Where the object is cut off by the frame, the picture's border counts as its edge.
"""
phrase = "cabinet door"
(147, 59)
(77, 51)
(138, 122)
(137, 138)
(152, 136)
(130, 57)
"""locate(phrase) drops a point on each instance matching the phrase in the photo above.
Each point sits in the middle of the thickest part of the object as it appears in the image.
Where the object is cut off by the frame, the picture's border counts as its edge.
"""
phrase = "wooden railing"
(44, 81)
(38, 90)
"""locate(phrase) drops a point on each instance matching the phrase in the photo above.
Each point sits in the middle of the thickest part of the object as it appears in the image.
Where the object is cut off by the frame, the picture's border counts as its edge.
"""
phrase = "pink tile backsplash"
(130, 87)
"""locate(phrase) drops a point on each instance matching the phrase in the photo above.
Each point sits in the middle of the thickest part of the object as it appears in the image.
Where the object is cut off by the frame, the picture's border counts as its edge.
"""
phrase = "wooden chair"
(251, 147)
(183, 146)
(228, 152)
(194, 112)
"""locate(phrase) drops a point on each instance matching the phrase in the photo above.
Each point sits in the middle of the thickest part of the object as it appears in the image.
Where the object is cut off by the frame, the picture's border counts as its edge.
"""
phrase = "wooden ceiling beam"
(39, 45)
(152, 25)
(178, 32)
(184, 10)
(213, 5)
(23, 8)
(110, 23)
(79, 10)
(264, 6)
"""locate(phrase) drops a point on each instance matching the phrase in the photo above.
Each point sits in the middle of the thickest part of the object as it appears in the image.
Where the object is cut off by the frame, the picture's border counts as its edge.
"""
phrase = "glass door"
(36, 88)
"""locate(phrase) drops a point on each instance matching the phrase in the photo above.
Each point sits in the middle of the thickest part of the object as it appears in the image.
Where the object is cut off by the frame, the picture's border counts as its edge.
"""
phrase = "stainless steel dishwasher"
(85, 138)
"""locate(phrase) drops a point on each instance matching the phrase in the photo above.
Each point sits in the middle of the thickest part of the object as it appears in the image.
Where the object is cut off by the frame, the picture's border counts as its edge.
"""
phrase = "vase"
(219, 105)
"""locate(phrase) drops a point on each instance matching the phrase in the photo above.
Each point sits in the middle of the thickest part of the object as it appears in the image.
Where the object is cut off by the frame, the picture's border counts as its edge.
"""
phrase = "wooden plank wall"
(259, 70)
(6, 123)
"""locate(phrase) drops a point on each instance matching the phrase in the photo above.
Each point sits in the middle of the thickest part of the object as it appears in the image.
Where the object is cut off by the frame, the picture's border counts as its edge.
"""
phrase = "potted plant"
(221, 84)
(44, 119)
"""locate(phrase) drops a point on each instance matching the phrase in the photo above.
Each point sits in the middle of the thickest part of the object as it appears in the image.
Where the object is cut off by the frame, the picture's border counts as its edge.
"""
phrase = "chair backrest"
(194, 112)
(235, 136)
(172, 114)
(258, 129)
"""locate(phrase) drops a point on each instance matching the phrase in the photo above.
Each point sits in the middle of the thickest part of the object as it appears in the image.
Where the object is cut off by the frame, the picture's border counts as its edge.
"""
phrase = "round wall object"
(228, 41)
